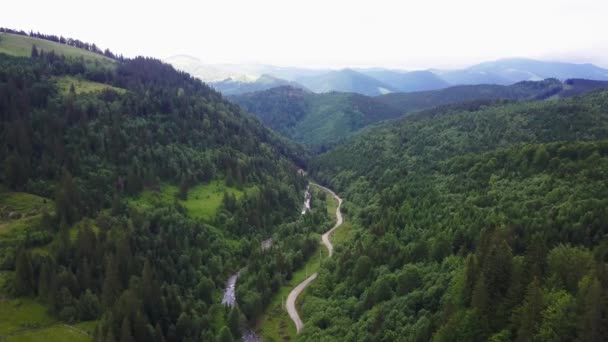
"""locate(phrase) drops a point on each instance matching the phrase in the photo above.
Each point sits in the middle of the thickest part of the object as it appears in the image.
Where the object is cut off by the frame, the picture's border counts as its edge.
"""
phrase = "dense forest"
(316, 120)
(486, 223)
(293, 244)
(91, 141)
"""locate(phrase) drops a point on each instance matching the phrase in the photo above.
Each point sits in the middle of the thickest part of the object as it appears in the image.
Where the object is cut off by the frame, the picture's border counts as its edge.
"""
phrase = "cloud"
(411, 34)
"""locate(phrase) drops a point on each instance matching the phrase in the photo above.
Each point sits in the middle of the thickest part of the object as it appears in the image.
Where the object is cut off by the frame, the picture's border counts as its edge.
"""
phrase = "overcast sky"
(411, 34)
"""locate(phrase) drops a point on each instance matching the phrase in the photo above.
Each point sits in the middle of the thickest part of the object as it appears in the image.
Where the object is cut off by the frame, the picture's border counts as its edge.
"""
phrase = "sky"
(406, 34)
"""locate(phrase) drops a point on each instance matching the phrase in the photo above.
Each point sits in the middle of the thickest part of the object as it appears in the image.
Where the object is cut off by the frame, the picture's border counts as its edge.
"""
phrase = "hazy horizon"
(380, 67)
(418, 35)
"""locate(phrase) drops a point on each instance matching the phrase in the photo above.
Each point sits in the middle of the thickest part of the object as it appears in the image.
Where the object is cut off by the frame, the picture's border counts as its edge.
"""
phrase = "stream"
(229, 298)
(306, 206)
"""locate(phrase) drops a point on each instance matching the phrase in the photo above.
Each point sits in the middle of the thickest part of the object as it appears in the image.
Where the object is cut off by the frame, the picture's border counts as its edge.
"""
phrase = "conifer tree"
(530, 316)
(590, 326)
(125, 331)
(34, 53)
(24, 274)
(111, 284)
(234, 322)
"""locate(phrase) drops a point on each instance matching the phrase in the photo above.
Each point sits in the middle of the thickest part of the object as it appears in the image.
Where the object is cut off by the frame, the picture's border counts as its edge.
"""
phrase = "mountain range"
(321, 120)
(231, 79)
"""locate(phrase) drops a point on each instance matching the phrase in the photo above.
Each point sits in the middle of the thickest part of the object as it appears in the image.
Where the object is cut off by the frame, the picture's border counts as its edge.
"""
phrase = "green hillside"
(322, 120)
(522, 91)
(18, 45)
(474, 225)
(129, 200)
(316, 120)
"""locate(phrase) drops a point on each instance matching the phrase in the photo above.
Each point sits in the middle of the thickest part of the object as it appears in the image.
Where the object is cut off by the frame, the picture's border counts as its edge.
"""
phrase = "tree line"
(65, 41)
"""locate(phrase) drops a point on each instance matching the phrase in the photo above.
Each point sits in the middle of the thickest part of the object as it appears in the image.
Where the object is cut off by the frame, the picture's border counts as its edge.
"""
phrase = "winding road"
(293, 295)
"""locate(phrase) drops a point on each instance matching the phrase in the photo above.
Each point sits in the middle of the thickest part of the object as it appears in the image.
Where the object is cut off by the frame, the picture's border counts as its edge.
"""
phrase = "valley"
(176, 200)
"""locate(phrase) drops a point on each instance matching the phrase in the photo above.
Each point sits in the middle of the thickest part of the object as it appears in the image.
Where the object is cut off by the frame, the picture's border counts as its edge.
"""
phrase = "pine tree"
(110, 336)
(479, 299)
(590, 325)
(225, 335)
(111, 284)
(125, 331)
(34, 53)
(24, 274)
(183, 325)
(158, 333)
(536, 254)
(234, 322)
(44, 280)
(470, 277)
(531, 312)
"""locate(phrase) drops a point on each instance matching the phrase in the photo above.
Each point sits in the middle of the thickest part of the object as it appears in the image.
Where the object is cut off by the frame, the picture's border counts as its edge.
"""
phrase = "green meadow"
(203, 200)
(19, 210)
(82, 86)
(17, 45)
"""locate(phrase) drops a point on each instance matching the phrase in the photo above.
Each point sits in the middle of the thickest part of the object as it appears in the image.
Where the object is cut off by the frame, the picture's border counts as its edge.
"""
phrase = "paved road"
(293, 295)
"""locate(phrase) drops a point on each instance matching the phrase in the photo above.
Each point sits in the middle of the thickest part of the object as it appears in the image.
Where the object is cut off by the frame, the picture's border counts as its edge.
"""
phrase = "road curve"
(293, 295)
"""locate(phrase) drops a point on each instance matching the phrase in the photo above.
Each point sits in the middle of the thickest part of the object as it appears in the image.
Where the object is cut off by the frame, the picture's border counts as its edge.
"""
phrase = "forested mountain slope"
(316, 120)
(527, 90)
(322, 120)
(129, 193)
(345, 80)
(235, 86)
(487, 224)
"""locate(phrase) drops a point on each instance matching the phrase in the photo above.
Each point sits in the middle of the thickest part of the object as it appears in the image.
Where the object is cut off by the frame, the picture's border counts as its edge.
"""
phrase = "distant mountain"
(286, 73)
(407, 81)
(509, 71)
(345, 80)
(317, 120)
(242, 78)
(408, 102)
(233, 87)
(526, 90)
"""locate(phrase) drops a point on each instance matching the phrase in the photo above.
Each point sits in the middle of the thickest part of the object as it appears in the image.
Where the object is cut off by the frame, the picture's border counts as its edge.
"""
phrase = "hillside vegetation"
(316, 120)
(82, 148)
(322, 120)
(474, 225)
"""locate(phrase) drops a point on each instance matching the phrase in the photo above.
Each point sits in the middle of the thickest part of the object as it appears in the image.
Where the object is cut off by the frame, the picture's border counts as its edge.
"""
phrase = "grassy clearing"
(83, 86)
(342, 234)
(56, 333)
(25, 319)
(22, 314)
(203, 200)
(88, 326)
(19, 210)
(24, 203)
(17, 45)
